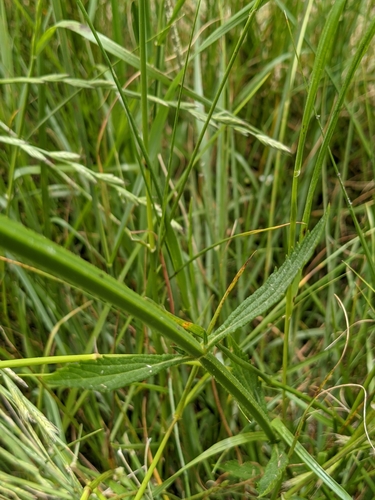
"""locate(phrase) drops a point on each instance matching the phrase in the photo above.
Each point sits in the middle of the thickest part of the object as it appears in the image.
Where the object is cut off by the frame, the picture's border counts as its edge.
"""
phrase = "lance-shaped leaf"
(273, 289)
(274, 471)
(112, 372)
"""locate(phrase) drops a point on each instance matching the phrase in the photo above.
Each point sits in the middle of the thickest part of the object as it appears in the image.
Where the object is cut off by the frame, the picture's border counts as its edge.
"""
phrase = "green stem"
(24, 102)
(74, 270)
(237, 390)
(48, 360)
(56, 260)
(176, 418)
(144, 108)
(211, 111)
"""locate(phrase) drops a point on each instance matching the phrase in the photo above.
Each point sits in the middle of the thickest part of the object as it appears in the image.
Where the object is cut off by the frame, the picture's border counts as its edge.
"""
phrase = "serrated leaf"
(247, 378)
(273, 471)
(244, 471)
(274, 288)
(112, 372)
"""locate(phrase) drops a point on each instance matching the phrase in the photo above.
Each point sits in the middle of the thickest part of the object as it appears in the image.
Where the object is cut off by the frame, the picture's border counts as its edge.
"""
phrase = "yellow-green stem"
(176, 417)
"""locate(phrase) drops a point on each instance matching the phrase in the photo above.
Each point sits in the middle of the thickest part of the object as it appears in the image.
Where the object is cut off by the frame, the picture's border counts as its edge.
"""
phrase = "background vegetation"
(158, 142)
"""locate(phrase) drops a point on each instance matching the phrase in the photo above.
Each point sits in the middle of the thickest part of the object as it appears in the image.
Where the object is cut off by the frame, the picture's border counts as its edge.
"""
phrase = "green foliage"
(273, 289)
(156, 161)
(109, 373)
(274, 471)
(248, 378)
(309, 461)
(241, 471)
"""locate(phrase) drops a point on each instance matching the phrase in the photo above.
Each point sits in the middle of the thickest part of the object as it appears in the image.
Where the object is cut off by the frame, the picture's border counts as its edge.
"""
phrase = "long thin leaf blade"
(220, 447)
(113, 48)
(321, 58)
(334, 116)
(309, 461)
(324, 47)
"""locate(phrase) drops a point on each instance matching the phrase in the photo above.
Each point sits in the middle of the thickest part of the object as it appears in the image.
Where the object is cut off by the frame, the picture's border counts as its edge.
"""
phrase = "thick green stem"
(74, 270)
(59, 262)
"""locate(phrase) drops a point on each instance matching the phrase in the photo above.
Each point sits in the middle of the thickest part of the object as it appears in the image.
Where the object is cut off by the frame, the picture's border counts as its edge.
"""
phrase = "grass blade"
(309, 461)
(324, 48)
(216, 449)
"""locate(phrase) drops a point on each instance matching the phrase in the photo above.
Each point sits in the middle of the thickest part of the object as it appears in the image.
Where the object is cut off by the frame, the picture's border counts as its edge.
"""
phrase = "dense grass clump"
(187, 249)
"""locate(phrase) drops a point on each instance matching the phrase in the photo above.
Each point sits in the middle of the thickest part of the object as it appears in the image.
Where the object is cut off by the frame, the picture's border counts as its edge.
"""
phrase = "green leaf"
(44, 40)
(54, 259)
(309, 461)
(244, 471)
(325, 44)
(335, 114)
(248, 403)
(274, 288)
(226, 26)
(112, 372)
(58, 261)
(125, 55)
(274, 471)
(249, 379)
(217, 448)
